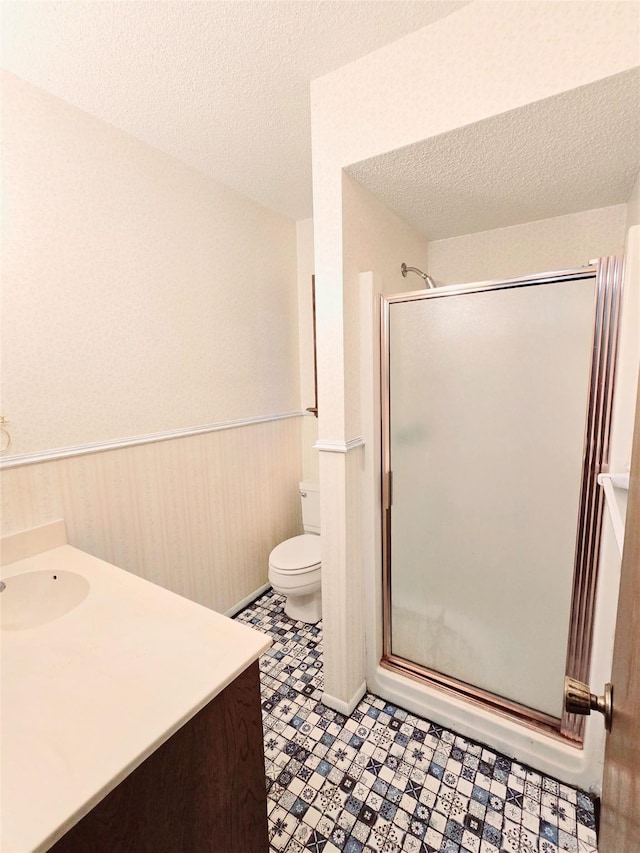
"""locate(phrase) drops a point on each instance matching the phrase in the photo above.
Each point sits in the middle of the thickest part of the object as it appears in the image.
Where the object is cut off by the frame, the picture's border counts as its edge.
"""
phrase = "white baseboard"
(345, 708)
(247, 600)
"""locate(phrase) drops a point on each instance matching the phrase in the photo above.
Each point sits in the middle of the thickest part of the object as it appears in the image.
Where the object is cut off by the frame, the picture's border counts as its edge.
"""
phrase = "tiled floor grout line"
(386, 781)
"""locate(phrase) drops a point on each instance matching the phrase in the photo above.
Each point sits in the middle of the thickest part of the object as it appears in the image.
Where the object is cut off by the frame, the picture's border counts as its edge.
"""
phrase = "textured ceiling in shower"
(573, 152)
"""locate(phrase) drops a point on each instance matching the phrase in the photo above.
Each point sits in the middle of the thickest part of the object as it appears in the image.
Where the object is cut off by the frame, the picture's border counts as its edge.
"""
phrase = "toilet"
(294, 565)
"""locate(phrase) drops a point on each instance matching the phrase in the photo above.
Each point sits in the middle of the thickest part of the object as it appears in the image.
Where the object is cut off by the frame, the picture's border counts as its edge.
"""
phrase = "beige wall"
(375, 238)
(141, 297)
(138, 295)
(633, 206)
(562, 242)
(306, 266)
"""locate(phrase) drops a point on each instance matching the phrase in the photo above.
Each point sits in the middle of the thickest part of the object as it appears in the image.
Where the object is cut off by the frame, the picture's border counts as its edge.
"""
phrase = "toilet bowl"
(294, 565)
(294, 571)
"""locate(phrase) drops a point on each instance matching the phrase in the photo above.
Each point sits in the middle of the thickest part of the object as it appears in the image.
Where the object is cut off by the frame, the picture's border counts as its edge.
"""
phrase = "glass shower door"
(486, 423)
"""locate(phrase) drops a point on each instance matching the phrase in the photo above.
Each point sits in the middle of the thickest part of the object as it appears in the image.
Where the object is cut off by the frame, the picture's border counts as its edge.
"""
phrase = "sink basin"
(35, 598)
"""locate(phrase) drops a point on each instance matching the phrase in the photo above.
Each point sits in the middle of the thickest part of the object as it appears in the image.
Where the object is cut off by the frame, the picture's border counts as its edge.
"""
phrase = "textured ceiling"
(573, 152)
(223, 86)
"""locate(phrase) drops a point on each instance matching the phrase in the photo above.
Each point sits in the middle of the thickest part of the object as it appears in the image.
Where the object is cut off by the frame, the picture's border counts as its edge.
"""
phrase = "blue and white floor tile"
(386, 781)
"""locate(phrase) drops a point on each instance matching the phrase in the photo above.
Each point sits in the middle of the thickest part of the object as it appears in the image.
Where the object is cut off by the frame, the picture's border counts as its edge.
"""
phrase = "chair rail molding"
(335, 446)
(100, 447)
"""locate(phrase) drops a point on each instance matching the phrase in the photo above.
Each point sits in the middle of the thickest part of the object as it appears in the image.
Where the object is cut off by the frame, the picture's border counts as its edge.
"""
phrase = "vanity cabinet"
(202, 791)
(131, 721)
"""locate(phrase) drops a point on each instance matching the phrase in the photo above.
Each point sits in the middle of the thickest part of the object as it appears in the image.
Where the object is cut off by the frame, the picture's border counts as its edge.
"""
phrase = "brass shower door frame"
(608, 275)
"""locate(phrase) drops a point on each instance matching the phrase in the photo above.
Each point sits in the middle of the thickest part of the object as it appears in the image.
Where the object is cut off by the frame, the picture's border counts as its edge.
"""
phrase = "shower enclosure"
(496, 408)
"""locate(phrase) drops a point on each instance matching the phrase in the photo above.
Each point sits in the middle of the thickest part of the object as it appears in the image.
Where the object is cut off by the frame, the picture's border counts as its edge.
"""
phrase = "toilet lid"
(300, 552)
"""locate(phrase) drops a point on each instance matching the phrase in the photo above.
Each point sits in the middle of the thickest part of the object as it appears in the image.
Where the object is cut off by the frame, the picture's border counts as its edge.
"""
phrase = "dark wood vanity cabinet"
(202, 791)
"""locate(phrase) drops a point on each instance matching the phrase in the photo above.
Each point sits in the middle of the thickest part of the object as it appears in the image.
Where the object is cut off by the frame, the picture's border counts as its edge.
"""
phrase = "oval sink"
(35, 598)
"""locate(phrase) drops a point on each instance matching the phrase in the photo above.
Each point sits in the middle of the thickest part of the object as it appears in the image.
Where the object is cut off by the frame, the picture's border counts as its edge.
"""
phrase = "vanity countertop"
(88, 696)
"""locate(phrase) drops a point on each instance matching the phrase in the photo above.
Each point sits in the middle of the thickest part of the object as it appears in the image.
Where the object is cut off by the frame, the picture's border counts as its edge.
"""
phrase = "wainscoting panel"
(197, 514)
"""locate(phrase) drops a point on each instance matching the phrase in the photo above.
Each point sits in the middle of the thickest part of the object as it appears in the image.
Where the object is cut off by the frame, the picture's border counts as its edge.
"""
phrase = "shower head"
(429, 282)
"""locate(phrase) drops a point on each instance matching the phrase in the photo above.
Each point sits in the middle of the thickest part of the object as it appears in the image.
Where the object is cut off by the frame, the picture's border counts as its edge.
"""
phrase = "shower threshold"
(529, 717)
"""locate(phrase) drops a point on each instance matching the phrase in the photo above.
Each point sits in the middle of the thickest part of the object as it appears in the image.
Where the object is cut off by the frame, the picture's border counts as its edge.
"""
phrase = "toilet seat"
(298, 555)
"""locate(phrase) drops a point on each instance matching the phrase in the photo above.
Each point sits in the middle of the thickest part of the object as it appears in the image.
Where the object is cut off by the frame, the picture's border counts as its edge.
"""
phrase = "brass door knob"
(578, 699)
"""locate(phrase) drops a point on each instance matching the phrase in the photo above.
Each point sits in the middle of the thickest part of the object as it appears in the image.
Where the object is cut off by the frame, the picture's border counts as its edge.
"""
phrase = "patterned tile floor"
(386, 781)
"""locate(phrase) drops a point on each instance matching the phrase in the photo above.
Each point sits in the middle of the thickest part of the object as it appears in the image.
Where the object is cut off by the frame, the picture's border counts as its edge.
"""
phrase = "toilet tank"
(310, 500)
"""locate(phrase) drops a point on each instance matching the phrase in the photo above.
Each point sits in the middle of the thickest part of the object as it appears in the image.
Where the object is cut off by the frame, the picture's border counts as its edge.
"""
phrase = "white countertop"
(88, 696)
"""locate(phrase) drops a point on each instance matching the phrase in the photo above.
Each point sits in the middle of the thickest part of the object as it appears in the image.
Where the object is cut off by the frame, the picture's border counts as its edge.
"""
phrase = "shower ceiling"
(573, 152)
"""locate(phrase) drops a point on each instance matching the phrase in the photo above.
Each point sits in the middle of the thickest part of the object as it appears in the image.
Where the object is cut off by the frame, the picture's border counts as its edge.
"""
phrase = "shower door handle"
(578, 699)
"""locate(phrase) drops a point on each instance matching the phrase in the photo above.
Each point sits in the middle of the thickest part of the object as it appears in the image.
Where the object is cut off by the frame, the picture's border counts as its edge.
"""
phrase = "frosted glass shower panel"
(488, 395)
